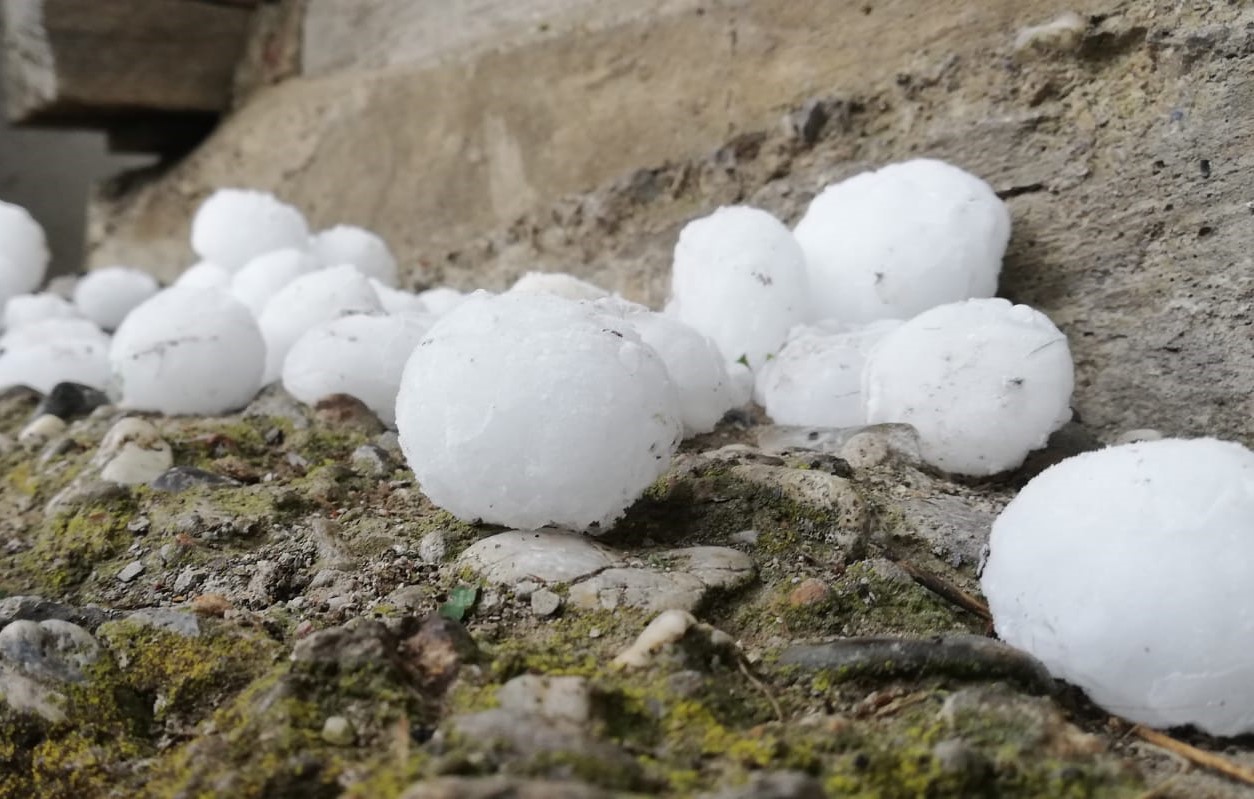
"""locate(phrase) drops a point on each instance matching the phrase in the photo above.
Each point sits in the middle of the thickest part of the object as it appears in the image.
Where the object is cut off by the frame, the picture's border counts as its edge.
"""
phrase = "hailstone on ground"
(1127, 572)
(816, 379)
(559, 283)
(399, 301)
(361, 355)
(308, 300)
(188, 351)
(23, 252)
(24, 309)
(106, 296)
(58, 350)
(739, 278)
(892, 243)
(529, 409)
(233, 226)
(983, 381)
(706, 391)
(204, 275)
(441, 300)
(347, 244)
(264, 276)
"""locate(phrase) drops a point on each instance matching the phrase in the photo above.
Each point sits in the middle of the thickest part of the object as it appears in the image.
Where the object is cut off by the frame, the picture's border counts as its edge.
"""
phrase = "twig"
(947, 590)
(761, 686)
(1197, 757)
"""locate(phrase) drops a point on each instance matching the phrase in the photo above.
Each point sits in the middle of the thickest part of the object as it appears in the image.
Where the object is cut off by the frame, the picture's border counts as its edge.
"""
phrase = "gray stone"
(36, 608)
(181, 478)
(130, 571)
(371, 460)
(545, 603)
(953, 527)
(568, 698)
(52, 649)
(549, 556)
(773, 785)
(25, 695)
(168, 619)
(694, 572)
(503, 788)
(821, 490)
(132, 452)
(432, 547)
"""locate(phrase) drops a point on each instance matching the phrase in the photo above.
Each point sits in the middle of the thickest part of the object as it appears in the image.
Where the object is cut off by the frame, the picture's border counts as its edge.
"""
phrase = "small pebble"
(864, 450)
(40, 430)
(338, 731)
(370, 459)
(131, 571)
(746, 537)
(545, 603)
(211, 604)
(70, 400)
(432, 547)
(810, 591)
(181, 478)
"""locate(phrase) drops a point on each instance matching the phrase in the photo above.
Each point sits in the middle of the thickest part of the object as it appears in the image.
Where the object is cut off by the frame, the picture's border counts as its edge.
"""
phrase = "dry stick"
(946, 590)
(761, 686)
(1197, 756)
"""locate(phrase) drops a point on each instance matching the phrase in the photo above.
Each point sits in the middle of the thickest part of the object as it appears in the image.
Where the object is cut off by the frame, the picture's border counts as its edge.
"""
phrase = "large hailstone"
(23, 252)
(204, 275)
(360, 355)
(233, 226)
(188, 351)
(57, 350)
(983, 381)
(559, 283)
(399, 301)
(1127, 572)
(307, 301)
(528, 409)
(892, 243)
(441, 299)
(816, 379)
(739, 278)
(106, 296)
(266, 275)
(347, 244)
(25, 309)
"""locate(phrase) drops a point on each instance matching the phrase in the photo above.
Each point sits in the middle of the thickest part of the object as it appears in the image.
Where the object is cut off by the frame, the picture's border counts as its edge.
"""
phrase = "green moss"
(69, 546)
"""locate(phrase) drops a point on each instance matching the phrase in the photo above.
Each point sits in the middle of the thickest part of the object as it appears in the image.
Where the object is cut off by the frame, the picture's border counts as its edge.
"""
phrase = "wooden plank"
(90, 62)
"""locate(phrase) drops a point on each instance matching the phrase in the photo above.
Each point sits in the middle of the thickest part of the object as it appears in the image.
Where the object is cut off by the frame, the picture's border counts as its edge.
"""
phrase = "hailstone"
(24, 309)
(529, 409)
(892, 243)
(188, 351)
(441, 300)
(739, 278)
(233, 226)
(399, 301)
(204, 275)
(262, 277)
(559, 283)
(308, 300)
(706, 391)
(983, 381)
(360, 355)
(816, 379)
(106, 296)
(23, 251)
(1126, 571)
(57, 350)
(346, 244)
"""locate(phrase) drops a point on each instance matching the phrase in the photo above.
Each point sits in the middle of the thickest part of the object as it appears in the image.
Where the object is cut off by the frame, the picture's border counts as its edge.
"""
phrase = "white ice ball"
(983, 381)
(529, 409)
(23, 251)
(24, 309)
(706, 391)
(204, 275)
(1127, 572)
(361, 355)
(188, 351)
(892, 243)
(233, 226)
(58, 350)
(560, 284)
(441, 300)
(739, 278)
(816, 379)
(399, 301)
(307, 301)
(107, 295)
(347, 244)
(264, 276)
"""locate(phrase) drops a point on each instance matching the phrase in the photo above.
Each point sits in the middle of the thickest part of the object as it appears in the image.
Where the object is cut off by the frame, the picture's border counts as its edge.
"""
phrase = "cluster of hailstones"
(557, 403)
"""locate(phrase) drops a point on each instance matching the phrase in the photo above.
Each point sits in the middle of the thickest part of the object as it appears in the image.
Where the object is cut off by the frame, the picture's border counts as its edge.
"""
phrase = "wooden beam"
(91, 62)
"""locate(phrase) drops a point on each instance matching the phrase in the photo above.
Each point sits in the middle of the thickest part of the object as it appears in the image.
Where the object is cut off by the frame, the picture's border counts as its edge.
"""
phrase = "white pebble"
(233, 226)
(739, 278)
(204, 275)
(307, 301)
(1127, 572)
(25, 309)
(528, 409)
(106, 296)
(188, 351)
(560, 284)
(347, 244)
(23, 252)
(984, 382)
(892, 243)
(360, 355)
(264, 276)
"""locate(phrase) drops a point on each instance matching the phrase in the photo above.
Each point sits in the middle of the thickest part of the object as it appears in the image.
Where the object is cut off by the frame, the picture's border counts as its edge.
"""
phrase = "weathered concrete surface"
(1120, 150)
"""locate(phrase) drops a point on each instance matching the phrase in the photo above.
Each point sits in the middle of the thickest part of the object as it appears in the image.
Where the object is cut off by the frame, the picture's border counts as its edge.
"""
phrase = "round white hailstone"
(264, 276)
(23, 251)
(441, 300)
(360, 355)
(983, 381)
(398, 301)
(741, 383)
(529, 409)
(816, 379)
(346, 244)
(25, 309)
(50, 351)
(233, 226)
(559, 283)
(1126, 571)
(204, 275)
(892, 243)
(706, 391)
(106, 296)
(188, 351)
(739, 278)
(307, 301)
